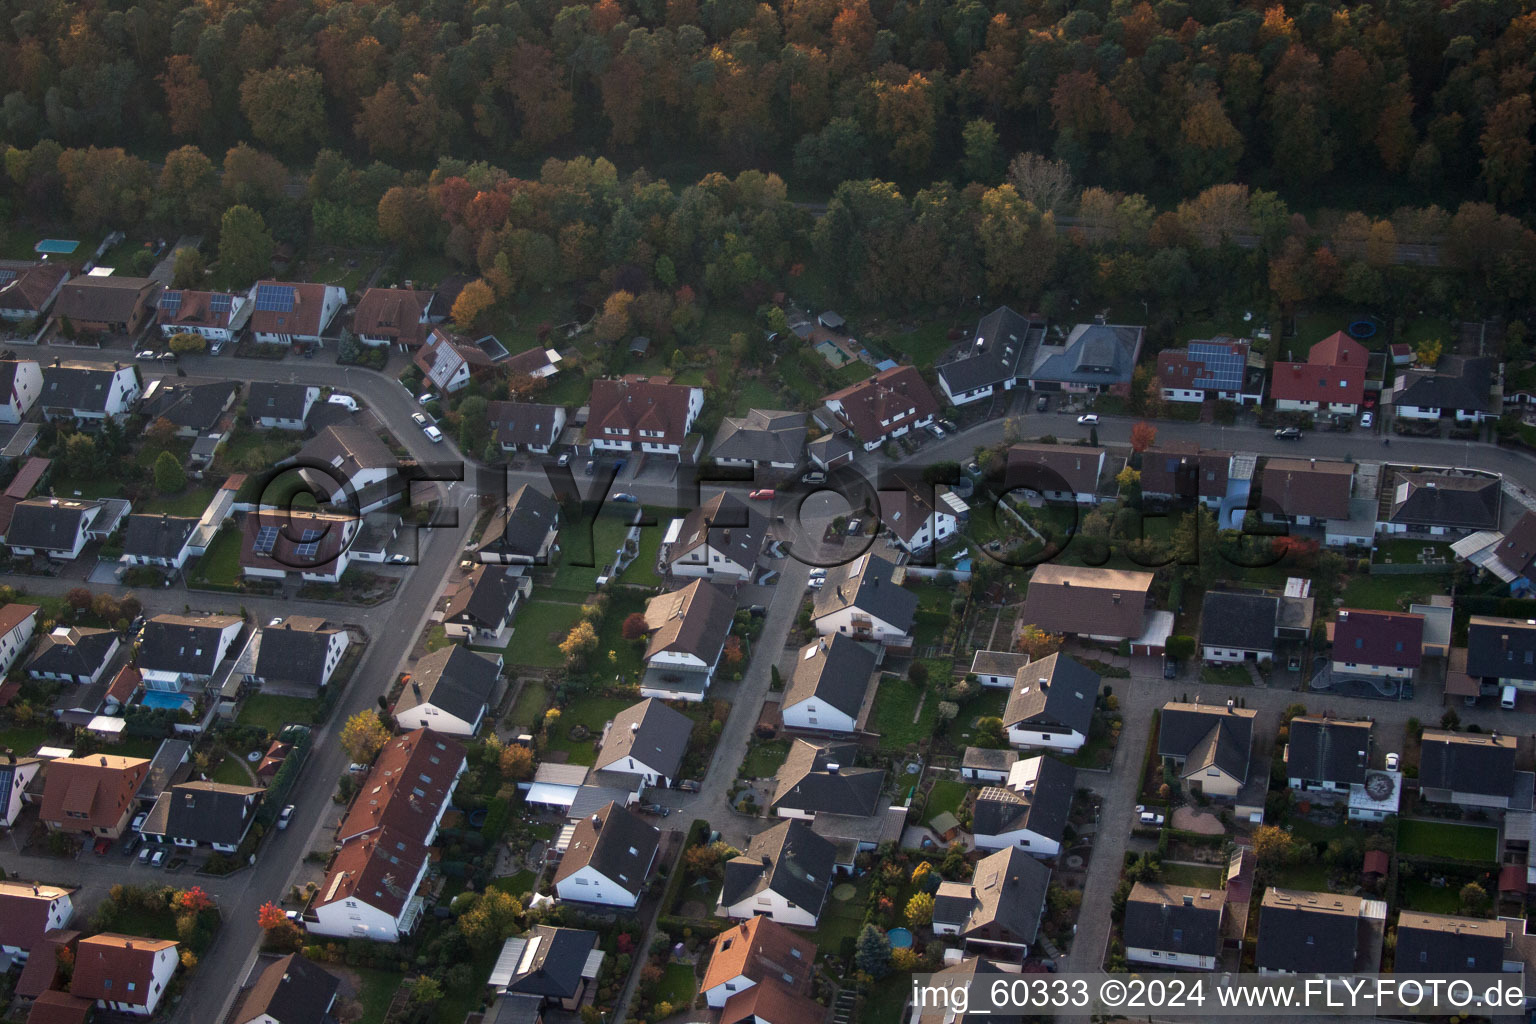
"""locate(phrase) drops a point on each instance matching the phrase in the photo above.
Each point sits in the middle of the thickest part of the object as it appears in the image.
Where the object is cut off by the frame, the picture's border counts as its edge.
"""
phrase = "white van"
(1507, 698)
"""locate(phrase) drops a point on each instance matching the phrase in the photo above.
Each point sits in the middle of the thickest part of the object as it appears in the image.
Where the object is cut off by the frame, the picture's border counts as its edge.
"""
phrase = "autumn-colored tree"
(1428, 351)
(194, 900)
(634, 626)
(188, 100)
(161, 433)
(78, 598)
(491, 921)
(906, 116)
(406, 217)
(1128, 477)
(1271, 845)
(581, 639)
(253, 178)
(188, 961)
(516, 763)
(614, 321)
(920, 910)
(1210, 146)
(187, 193)
(284, 105)
(189, 268)
(187, 343)
(363, 736)
(1507, 148)
(732, 652)
(473, 303)
(1044, 183)
(1143, 436)
(269, 915)
(1037, 643)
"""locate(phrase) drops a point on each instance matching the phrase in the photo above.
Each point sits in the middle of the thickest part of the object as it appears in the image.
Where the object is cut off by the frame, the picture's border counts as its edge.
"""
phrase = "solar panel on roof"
(1223, 366)
(311, 534)
(266, 540)
(220, 303)
(170, 302)
(6, 277)
(274, 298)
(307, 550)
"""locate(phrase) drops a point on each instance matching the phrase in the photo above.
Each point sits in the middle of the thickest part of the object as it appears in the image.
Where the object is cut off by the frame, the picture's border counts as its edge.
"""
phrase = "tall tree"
(1506, 143)
(245, 246)
(285, 106)
(188, 99)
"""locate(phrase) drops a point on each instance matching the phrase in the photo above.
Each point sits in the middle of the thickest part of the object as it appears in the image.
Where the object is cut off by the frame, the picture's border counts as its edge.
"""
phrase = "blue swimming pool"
(161, 699)
(900, 938)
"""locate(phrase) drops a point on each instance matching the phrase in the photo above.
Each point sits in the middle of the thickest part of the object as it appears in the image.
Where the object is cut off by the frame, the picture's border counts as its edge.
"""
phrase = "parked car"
(293, 915)
(625, 497)
(1088, 419)
(145, 854)
(1288, 434)
(1147, 817)
(591, 466)
(102, 845)
(131, 844)
(284, 818)
(948, 425)
(357, 768)
(1366, 419)
(1042, 403)
(138, 822)
(148, 355)
(1170, 668)
(425, 397)
(564, 459)
(217, 347)
(345, 401)
(158, 859)
(689, 785)
(434, 435)
(935, 430)
(1392, 762)
(399, 559)
(167, 357)
(816, 582)
(762, 494)
(420, 419)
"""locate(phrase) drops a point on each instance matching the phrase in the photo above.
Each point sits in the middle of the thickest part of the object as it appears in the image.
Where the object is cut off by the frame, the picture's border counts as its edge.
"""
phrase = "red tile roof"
(59, 1008)
(631, 404)
(1334, 372)
(83, 793)
(379, 869)
(42, 970)
(760, 948)
(420, 760)
(303, 320)
(888, 396)
(394, 313)
(119, 959)
(772, 1002)
(24, 910)
(13, 615)
(1378, 638)
(124, 683)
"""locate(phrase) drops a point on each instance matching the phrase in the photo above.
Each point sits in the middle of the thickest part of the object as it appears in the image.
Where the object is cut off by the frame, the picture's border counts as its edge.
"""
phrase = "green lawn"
(1388, 593)
(591, 544)
(190, 502)
(92, 487)
(923, 344)
(1226, 675)
(24, 739)
(616, 656)
(895, 706)
(678, 986)
(989, 703)
(592, 712)
(1312, 877)
(251, 450)
(842, 919)
(764, 759)
(539, 626)
(271, 712)
(515, 885)
(1188, 874)
(231, 771)
(438, 638)
(377, 990)
(1429, 899)
(1410, 552)
(528, 710)
(642, 570)
(221, 563)
(1446, 840)
(946, 795)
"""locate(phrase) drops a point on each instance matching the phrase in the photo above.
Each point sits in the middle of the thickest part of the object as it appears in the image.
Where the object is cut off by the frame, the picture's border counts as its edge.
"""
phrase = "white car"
(1147, 817)
(816, 582)
(145, 854)
(138, 822)
(1088, 419)
(420, 420)
(284, 818)
(1392, 762)
(1366, 419)
(425, 397)
(158, 859)
(345, 401)
(399, 559)
(433, 434)
(148, 355)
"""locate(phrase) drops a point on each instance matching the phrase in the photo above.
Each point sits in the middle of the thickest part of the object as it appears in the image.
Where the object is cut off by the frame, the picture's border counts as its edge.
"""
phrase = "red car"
(1370, 400)
(766, 494)
(102, 846)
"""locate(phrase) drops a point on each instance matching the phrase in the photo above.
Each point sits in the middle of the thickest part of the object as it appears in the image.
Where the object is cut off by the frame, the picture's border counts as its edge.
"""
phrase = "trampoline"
(56, 246)
(1362, 329)
(900, 938)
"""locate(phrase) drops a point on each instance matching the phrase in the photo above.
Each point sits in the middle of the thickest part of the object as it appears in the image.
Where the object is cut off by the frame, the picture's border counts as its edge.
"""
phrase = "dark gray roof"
(1100, 354)
(1479, 763)
(1207, 735)
(292, 990)
(614, 842)
(1327, 750)
(1174, 918)
(1459, 382)
(1308, 932)
(272, 400)
(762, 436)
(78, 386)
(191, 402)
(211, 812)
(523, 423)
(866, 584)
(1446, 499)
(988, 357)
(167, 763)
(1054, 691)
(348, 449)
(990, 758)
(454, 679)
(157, 536)
(1501, 648)
(728, 525)
(48, 524)
(1239, 621)
(484, 598)
(835, 669)
(520, 528)
(823, 779)
(788, 859)
(293, 651)
(830, 448)
(1442, 944)
(77, 651)
(1043, 810)
(652, 733)
(178, 643)
(1003, 899)
(558, 959)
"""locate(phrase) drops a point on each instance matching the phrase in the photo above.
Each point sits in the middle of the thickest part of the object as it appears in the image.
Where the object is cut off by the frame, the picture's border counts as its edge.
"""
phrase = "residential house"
(1051, 706)
(60, 528)
(181, 651)
(121, 690)
(1094, 358)
(106, 305)
(762, 439)
(290, 990)
(1473, 770)
(89, 392)
(124, 973)
(298, 651)
(1207, 745)
(917, 517)
(784, 874)
(523, 532)
(1314, 932)
(864, 600)
(1510, 556)
(91, 796)
(987, 764)
(1173, 926)
(968, 976)
(194, 814)
(26, 480)
(289, 313)
(21, 382)
(720, 537)
(1095, 604)
(1501, 652)
(1332, 380)
(73, 654)
(28, 911)
(1059, 473)
(537, 362)
(998, 911)
(450, 691)
(1443, 503)
(885, 406)
(1443, 944)
(160, 539)
(1183, 473)
(1377, 797)
(396, 316)
(547, 967)
(27, 291)
(217, 317)
(822, 779)
(1381, 644)
(1238, 626)
(279, 406)
(1327, 755)
(482, 608)
(650, 415)
(1210, 370)
(648, 739)
(997, 669)
(1030, 812)
(759, 953)
(608, 859)
(829, 686)
(17, 624)
(1459, 386)
(987, 362)
(1306, 492)
(829, 451)
(16, 775)
(687, 629)
(347, 465)
(525, 426)
(195, 406)
(449, 361)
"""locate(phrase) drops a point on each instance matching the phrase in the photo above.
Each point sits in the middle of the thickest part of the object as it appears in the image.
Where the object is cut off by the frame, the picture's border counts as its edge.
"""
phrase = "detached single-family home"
(525, 426)
(1305, 492)
(1440, 504)
(27, 291)
(1173, 926)
(106, 305)
(885, 406)
(396, 316)
(1030, 812)
(125, 973)
(28, 911)
(762, 439)
(1208, 746)
(1237, 626)
(179, 651)
(687, 630)
(1443, 944)
(863, 600)
(998, 911)
(1095, 604)
(482, 608)
(648, 739)
(89, 391)
(784, 874)
(450, 691)
(1094, 358)
(299, 651)
(1458, 386)
(285, 313)
(92, 796)
(195, 406)
(1501, 652)
(547, 967)
(829, 686)
(60, 528)
(917, 517)
(214, 316)
(1473, 770)
(537, 362)
(213, 814)
(1059, 473)
(760, 952)
(822, 779)
(1210, 370)
(970, 975)
(645, 414)
(289, 990)
(1315, 932)
(347, 465)
(279, 406)
(16, 775)
(21, 382)
(1327, 755)
(608, 859)
(162, 540)
(523, 532)
(721, 537)
(1332, 380)
(1183, 473)
(449, 361)
(1051, 706)
(17, 624)
(73, 654)
(1375, 643)
(988, 361)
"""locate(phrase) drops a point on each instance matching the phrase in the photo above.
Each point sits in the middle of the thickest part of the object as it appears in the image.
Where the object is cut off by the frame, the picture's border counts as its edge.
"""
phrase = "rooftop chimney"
(1230, 703)
(634, 727)
(103, 760)
(1189, 900)
(597, 822)
(416, 688)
